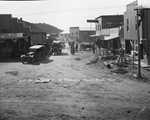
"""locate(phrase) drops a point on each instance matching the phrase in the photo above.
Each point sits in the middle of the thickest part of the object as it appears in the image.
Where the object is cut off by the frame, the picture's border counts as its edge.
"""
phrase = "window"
(100, 27)
(136, 23)
(127, 24)
(96, 27)
(76, 33)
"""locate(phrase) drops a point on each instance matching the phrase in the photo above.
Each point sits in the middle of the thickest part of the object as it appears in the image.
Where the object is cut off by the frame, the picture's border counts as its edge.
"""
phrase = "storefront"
(13, 44)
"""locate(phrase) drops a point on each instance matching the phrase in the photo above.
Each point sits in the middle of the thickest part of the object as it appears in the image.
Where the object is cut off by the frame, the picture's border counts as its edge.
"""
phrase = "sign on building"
(10, 35)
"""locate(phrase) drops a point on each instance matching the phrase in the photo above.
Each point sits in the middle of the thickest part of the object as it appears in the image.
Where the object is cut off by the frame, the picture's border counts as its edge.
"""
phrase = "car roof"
(57, 42)
(36, 46)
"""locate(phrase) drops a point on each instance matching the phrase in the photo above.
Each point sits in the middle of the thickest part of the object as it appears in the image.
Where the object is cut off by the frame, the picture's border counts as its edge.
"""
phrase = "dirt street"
(70, 90)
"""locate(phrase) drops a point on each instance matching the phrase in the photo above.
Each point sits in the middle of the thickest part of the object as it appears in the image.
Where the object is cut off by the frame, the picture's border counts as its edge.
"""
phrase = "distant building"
(130, 30)
(81, 36)
(84, 36)
(64, 36)
(74, 34)
(37, 35)
(106, 22)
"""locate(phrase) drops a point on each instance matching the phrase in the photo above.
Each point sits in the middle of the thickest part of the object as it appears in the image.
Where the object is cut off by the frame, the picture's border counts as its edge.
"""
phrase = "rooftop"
(108, 16)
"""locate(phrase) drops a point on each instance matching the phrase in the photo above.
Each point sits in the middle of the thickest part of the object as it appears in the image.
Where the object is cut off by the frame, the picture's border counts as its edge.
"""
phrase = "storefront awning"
(95, 35)
(102, 37)
(110, 37)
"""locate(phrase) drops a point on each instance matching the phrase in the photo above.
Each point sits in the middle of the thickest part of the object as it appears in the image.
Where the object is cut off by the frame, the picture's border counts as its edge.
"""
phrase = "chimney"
(20, 19)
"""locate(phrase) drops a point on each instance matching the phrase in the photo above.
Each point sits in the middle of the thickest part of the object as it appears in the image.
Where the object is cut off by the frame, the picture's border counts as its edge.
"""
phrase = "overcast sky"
(65, 13)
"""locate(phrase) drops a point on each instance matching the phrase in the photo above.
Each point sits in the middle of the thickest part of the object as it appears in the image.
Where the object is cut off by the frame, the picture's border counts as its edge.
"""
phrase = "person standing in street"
(72, 48)
(76, 46)
(93, 47)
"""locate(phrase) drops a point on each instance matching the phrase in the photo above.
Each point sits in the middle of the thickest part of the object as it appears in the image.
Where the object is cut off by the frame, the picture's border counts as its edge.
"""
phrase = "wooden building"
(84, 36)
(107, 31)
(81, 36)
(130, 30)
(145, 39)
(74, 33)
(16, 36)
(37, 35)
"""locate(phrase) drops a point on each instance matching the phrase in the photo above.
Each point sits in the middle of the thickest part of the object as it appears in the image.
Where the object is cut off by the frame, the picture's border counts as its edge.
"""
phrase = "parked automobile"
(36, 52)
(56, 48)
(47, 47)
(86, 46)
(63, 44)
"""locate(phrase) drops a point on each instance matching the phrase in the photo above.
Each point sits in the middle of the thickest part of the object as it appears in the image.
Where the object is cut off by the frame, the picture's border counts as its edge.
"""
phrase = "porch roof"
(106, 37)
(96, 35)
(110, 37)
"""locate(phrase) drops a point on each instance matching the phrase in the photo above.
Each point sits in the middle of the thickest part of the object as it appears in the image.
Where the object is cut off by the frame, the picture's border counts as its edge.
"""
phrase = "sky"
(65, 13)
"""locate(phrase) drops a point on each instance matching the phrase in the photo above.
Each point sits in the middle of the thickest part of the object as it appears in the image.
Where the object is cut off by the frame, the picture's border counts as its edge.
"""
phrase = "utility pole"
(133, 52)
(139, 51)
(139, 14)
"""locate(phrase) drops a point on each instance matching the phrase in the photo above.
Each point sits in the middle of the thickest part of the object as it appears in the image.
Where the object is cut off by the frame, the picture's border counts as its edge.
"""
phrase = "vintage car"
(56, 48)
(86, 46)
(36, 52)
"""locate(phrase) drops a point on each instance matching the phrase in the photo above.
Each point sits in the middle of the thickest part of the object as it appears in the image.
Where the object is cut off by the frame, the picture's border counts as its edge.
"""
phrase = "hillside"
(48, 28)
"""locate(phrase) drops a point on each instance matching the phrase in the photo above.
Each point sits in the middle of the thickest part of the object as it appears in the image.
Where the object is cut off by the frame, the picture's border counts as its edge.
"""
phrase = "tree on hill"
(49, 29)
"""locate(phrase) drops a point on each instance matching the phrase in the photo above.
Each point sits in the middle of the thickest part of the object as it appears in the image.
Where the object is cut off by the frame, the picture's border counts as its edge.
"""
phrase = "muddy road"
(65, 88)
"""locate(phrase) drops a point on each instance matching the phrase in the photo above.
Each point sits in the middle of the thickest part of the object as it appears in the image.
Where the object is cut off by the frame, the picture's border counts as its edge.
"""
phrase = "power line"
(68, 10)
